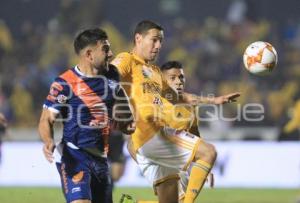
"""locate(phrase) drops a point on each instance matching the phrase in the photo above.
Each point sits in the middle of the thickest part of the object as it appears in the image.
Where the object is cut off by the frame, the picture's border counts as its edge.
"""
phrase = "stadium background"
(208, 36)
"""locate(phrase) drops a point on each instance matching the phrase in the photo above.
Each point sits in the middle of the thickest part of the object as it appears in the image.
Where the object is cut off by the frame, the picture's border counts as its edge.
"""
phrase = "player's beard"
(106, 63)
(104, 66)
(100, 68)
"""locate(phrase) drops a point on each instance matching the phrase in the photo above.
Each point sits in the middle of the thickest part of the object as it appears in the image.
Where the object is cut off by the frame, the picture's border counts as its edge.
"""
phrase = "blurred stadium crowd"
(211, 51)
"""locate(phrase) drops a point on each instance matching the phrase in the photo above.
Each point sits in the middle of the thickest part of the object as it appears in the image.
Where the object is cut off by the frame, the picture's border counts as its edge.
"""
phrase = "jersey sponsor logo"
(100, 116)
(82, 90)
(150, 87)
(147, 73)
(76, 189)
(78, 177)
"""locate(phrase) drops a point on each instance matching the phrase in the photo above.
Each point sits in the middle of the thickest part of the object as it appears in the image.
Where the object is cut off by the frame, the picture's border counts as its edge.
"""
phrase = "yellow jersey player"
(163, 148)
(173, 73)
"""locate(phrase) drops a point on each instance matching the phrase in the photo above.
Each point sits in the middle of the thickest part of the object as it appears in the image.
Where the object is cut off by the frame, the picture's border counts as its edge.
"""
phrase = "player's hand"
(130, 128)
(48, 149)
(211, 180)
(229, 98)
(126, 127)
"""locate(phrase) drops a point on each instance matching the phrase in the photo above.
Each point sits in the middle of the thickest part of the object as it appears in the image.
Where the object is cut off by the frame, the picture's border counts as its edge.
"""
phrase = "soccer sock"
(199, 172)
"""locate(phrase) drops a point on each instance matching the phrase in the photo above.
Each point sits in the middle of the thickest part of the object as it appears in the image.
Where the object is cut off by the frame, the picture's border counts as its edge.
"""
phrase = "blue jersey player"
(83, 98)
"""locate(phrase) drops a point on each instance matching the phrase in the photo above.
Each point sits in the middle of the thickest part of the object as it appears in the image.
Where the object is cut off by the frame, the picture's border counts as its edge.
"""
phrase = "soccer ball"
(260, 58)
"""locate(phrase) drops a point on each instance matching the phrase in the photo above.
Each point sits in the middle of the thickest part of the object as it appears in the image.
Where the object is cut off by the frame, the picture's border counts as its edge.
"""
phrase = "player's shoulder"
(123, 57)
(64, 80)
(155, 67)
(112, 73)
(67, 75)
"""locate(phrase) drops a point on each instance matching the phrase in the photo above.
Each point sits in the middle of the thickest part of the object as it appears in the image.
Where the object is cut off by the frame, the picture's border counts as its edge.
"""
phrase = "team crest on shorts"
(78, 177)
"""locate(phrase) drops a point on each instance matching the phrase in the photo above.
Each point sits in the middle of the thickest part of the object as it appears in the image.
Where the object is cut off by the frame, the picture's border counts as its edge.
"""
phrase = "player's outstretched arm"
(46, 133)
(194, 99)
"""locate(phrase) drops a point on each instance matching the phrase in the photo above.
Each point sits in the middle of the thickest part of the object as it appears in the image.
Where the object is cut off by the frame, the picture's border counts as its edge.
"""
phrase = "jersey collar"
(139, 59)
(82, 74)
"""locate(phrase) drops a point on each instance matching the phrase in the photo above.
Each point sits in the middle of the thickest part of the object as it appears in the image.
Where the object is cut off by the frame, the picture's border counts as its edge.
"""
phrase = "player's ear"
(137, 38)
(88, 53)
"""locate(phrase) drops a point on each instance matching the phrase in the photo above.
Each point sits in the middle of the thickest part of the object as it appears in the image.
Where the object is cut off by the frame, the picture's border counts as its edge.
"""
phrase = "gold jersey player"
(174, 75)
(162, 147)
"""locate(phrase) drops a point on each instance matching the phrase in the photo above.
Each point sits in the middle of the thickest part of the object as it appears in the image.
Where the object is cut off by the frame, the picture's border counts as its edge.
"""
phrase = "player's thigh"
(171, 149)
(160, 177)
(76, 175)
(167, 191)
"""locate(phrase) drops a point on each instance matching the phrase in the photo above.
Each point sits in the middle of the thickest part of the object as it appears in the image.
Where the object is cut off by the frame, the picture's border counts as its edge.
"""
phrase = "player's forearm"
(194, 99)
(45, 128)
(46, 131)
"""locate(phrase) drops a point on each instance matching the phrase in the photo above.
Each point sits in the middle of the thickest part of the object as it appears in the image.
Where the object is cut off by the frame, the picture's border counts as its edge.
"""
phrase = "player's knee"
(206, 152)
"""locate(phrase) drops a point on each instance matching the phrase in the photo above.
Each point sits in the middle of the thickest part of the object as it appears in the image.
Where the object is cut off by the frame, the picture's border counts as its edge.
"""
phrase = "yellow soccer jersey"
(143, 84)
(184, 117)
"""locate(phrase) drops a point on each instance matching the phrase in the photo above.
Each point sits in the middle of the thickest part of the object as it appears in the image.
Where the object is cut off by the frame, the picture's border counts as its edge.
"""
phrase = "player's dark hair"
(145, 25)
(88, 37)
(171, 64)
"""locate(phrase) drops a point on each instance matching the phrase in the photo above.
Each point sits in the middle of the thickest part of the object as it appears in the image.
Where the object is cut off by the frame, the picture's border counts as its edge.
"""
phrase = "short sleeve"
(58, 96)
(123, 63)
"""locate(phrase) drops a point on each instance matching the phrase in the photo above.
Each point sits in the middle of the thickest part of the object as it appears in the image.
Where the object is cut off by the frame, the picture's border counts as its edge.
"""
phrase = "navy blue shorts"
(84, 176)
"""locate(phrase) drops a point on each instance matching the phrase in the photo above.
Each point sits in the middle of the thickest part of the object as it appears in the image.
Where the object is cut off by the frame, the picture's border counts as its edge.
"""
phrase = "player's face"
(101, 55)
(175, 79)
(150, 44)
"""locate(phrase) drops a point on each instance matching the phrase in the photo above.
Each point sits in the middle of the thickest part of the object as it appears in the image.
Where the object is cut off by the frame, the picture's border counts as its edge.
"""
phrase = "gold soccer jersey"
(143, 84)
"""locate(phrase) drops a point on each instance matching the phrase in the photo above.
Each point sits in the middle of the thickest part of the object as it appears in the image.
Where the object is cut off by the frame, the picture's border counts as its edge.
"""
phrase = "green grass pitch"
(54, 195)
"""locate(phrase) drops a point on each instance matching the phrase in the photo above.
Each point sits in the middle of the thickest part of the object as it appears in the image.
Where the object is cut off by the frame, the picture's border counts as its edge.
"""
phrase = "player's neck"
(88, 70)
(138, 53)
